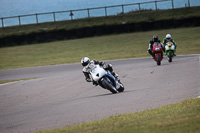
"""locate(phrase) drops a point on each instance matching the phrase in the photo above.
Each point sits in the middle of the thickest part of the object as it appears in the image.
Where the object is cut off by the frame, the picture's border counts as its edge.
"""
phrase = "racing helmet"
(85, 61)
(155, 38)
(168, 36)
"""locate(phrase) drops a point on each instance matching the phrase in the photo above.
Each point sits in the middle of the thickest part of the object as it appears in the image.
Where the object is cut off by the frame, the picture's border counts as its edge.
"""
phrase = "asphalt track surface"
(60, 96)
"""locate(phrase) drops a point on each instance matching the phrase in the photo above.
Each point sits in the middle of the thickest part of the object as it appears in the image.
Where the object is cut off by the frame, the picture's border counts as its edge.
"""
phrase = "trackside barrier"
(88, 10)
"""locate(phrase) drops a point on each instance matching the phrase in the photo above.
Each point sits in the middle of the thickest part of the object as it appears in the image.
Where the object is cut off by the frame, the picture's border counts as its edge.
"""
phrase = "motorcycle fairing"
(157, 47)
(97, 74)
(169, 48)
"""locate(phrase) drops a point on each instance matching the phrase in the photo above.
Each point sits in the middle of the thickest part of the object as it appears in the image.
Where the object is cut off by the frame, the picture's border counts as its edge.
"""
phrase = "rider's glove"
(102, 63)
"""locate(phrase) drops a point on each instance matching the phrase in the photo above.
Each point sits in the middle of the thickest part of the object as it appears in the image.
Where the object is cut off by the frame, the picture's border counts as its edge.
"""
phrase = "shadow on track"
(107, 94)
(102, 95)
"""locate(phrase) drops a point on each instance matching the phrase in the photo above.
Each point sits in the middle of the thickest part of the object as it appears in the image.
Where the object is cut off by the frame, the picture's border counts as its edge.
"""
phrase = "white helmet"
(85, 61)
(168, 36)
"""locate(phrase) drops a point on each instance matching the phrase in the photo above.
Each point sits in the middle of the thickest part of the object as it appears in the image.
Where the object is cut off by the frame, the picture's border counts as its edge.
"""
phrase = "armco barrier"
(121, 9)
(96, 31)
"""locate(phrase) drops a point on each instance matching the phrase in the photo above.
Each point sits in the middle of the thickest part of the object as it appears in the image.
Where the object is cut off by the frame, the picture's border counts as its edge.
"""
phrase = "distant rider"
(152, 41)
(167, 39)
(85, 61)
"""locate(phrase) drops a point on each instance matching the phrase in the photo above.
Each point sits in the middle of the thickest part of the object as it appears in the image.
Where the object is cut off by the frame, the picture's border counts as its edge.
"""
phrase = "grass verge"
(120, 46)
(8, 81)
(183, 117)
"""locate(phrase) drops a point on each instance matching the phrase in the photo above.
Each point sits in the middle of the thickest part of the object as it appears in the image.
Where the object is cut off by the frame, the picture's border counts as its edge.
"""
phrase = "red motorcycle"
(157, 52)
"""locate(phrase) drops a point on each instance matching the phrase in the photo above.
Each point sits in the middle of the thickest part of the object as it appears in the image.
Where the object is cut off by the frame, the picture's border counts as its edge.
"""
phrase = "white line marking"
(9, 83)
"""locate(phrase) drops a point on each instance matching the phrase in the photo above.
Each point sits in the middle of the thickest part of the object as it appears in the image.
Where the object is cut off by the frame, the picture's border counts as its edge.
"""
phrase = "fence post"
(88, 12)
(106, 11)
(2, 22)
(188, 3)
(139, 7)
(156, 4)
(36, 18)
(122, 9)
(172, 4)
(71, 14)
(54, 17)
(19, 20)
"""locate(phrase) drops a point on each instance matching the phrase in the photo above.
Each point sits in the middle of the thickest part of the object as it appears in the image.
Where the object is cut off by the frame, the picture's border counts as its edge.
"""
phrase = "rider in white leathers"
(85, 61)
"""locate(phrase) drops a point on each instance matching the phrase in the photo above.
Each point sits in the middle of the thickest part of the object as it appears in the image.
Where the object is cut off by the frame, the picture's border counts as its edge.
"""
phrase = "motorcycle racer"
(152, 41)
(167, 39)
(85, 61)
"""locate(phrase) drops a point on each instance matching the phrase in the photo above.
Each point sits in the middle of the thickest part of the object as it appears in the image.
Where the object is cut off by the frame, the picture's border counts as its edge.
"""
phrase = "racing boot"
(175, 50)
(109, 68)
(115, 74)
(150, 52)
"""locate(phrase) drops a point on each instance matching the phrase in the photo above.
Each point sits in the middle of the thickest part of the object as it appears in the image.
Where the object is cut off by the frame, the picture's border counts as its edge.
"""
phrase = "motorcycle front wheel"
(170, 57)
(108, 86)
(158, 60)
(121, 88)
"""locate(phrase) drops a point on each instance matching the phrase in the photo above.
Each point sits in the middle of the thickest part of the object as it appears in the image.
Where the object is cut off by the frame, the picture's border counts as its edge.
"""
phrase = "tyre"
(158, 60)
(121, 88)
(108, 86)
(170, 57)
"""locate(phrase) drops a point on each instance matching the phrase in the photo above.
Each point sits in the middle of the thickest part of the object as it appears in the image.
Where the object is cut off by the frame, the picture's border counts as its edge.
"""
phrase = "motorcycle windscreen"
(157, 47)
(97, 73)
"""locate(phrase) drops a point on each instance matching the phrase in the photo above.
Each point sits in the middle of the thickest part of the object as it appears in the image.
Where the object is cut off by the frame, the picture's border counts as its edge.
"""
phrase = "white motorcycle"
(105, 79)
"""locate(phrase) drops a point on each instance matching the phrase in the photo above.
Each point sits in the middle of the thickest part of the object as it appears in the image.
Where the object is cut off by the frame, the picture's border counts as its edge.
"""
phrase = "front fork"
(155, 56)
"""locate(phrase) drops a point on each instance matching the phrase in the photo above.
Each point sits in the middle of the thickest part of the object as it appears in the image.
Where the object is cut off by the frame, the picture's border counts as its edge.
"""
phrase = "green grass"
(132, 17)
(120, 46)
(183, 117)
